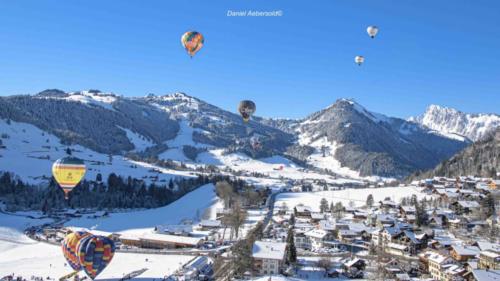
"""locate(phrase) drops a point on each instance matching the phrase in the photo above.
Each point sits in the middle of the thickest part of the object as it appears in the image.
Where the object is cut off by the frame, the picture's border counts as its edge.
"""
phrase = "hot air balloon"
(68, 172)
(359, 60)
(372, 31)
(246, 109)
(69, 245)
(192, 42)
(95, 253)
(255, 142)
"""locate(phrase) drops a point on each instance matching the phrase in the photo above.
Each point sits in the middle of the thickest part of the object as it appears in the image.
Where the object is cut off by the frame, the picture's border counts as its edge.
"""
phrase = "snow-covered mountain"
(451, 121)
(371, 143)
(344, 138)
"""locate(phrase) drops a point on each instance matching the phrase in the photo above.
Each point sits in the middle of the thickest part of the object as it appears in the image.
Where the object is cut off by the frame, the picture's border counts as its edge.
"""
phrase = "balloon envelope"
(246, 109)
(95, 253)
(192, 41)
(359, 60)
(68, 172)
(372, 31)
(69, 245)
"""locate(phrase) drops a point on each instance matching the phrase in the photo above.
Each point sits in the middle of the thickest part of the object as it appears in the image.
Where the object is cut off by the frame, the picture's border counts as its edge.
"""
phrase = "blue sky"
(444, 52)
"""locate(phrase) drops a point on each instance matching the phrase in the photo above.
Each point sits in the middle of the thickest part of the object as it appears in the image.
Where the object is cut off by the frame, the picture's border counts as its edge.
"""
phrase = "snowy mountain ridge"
(449, 121)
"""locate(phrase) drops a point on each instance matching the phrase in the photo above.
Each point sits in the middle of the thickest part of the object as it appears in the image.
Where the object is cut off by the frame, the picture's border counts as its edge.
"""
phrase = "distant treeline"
(116, 192)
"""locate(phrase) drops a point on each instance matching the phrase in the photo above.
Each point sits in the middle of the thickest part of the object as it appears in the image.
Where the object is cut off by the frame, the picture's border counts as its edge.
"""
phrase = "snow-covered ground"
(356, 196)
(30, 153)
(44, 260)
(275, 167)
(191, 206)
(12, 227)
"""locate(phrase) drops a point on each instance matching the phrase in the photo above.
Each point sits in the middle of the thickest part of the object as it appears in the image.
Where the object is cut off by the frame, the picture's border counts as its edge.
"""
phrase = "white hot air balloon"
(359, 60)
(372, 31)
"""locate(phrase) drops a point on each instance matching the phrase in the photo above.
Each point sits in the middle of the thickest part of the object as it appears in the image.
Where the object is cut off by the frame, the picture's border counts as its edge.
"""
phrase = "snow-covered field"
(30, 153)
(345, 196)
(44, 260)
(275, 167)
(12, 227)
(191, 206)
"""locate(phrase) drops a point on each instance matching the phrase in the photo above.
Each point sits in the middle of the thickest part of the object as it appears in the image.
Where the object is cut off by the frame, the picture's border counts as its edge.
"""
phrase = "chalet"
(407, 210)
(463, 254)
(317, 238)
(489, 259)
(464, 207)
(269, 257)
(301, 241)
(388, 204)
(302, 211)
(453, 272)
(316, 217)
(347, 235)
(437, 265)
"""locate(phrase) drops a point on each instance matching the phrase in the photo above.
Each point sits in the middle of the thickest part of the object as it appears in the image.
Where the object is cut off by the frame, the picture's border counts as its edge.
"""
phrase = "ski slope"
(30, 153)
(191, 206)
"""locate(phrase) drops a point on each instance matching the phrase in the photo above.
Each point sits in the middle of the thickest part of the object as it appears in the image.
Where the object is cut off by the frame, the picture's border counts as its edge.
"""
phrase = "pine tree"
(323, 205)
(291, 250)
(369, 201)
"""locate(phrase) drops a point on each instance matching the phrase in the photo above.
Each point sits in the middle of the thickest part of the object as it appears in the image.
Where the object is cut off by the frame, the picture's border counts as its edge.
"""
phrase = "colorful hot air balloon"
(246, 109)
(69, 245)
(68, 172)
(359, 60)
(372, 31)
(95, 253)
(192, 42)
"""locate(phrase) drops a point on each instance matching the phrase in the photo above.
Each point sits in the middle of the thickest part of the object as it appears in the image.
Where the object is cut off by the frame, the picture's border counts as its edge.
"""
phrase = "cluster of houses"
(448, 246)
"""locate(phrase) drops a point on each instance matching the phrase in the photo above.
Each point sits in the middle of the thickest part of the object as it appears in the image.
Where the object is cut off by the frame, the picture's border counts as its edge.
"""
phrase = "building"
(463, 254)
(482, 275)
(489, 259)
(438, 265)
(269, 257)
(161, 241)
(317, 237)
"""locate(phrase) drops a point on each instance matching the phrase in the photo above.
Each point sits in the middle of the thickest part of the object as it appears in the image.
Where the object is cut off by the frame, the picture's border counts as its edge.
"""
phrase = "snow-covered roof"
(269, 250)
(210, 223)
(396, 246)
(486, 275)
(187, 240)
(438, 258)
(468, 204)
(465, 251)
(317, 233)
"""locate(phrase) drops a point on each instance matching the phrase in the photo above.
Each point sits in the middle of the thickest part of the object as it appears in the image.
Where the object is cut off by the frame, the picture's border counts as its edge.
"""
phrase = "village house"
(302, 211)
(437, 265)
(464, 207)
(301, 241)
(489, 259)
(317, 238)
(482, 275)
(463, 254)
(269, 257)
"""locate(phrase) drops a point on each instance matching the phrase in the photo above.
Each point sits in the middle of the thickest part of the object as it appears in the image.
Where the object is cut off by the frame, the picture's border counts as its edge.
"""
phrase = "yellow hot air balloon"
(68, 172)
(192, 42)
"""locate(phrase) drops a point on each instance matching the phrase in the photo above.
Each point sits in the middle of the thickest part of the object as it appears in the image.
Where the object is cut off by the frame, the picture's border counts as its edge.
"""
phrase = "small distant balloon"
(359, 60)
(246, 109)
(372, 31)
(68, 172)
(192, 41)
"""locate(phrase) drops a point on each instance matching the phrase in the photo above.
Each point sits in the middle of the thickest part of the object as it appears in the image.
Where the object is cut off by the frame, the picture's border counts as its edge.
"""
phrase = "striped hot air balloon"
(95, 253)
(69, 245)
(68, 172)
(192, 41)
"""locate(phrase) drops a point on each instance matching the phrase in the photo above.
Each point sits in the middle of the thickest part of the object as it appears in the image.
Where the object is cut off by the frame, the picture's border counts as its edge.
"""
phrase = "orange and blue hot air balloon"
(69, 247)
(95, 253)
(192, 42)
(68, 172)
